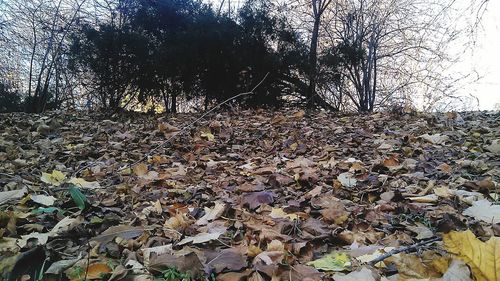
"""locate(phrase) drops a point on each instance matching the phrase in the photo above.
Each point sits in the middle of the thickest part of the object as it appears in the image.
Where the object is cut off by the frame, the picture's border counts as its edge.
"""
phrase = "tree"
(10, 99)
(184, 51)
(37, 31)
(318, 8)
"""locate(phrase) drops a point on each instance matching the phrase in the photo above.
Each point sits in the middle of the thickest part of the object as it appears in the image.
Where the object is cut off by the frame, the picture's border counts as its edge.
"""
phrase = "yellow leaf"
(275, 246)
(140, 169)
(299, 114)
(177, 221)
(279, 213)
(443, 192)
(332, 262)
(55, 178)
(208, 136)
(253, 251)
(482, 257)
(85, 184)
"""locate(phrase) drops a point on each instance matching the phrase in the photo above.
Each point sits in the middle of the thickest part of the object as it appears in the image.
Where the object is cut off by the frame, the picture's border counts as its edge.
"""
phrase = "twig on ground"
(7, 175)
(88, 261)
(403, 249)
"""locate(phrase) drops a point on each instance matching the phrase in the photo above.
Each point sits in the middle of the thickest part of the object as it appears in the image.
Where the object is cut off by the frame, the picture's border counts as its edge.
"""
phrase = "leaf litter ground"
(248, 195)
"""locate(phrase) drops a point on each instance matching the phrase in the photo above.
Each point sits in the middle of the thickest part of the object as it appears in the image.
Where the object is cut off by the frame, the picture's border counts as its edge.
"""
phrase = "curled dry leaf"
(212, 213)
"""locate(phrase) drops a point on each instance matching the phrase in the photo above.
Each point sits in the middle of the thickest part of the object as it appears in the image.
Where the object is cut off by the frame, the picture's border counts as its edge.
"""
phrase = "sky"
(485, 59)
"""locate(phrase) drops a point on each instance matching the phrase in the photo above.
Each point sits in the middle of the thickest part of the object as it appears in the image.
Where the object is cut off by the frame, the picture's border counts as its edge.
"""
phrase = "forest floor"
(250, 195)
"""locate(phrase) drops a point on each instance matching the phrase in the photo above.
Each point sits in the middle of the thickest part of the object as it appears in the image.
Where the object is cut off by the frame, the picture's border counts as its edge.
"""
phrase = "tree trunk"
(173, 108)
(372, 100)
(165, 101)
(30, 81)
(313, 60)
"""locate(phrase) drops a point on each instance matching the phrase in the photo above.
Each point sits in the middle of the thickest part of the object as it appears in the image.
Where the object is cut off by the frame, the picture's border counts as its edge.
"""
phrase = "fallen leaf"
(122, 231)
(141, 170)
(347, 179)
(494, 147)
(184, 261)
(255, 199)
(41, 238)
(13, 194)
(59, 266)
(482, 257)
(55, 178)
(65, 225)
(435, 139)
(374, 255)
(443, 192)
(299, 114)
(203, 237)
(85, 184)
(361, 275)
(418, 267)
(43, 199)
(211, 213)
(8, 244)
(457, 271)
(279, 213)
(119, 273)
(484, 210)
(78, 197)
(208, 136)
(431, 198)
(167, 129)
(422, 231)
(226, 260)
(332, 262)
(94, 271)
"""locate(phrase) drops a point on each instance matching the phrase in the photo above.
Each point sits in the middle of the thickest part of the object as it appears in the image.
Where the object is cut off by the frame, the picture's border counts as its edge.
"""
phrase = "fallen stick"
(403, 249)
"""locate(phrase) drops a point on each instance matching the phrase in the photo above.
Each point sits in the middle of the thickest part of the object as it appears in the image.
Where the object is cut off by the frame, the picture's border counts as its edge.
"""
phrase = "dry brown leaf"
(122, 231)
(94, 271)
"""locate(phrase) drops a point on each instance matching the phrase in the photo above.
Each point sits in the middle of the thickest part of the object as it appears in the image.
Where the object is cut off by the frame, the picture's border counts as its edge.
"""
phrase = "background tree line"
(189, 54)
